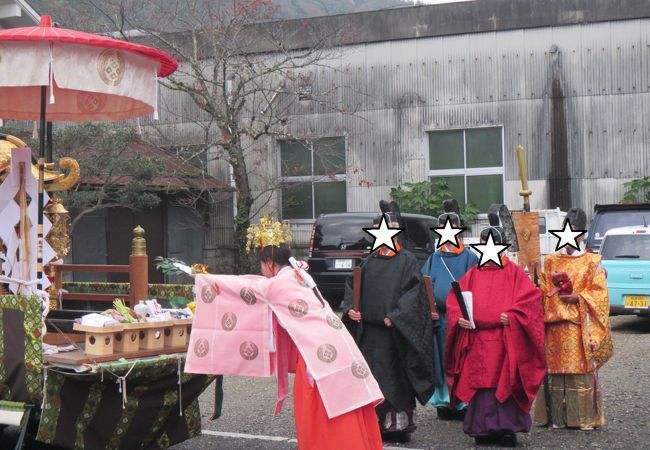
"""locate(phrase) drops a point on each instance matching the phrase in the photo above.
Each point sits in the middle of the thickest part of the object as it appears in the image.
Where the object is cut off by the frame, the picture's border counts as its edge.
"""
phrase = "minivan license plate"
(343, 264)
(636, 301)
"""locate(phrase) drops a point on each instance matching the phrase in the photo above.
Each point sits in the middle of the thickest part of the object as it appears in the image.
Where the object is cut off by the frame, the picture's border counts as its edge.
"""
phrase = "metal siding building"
(575, 94)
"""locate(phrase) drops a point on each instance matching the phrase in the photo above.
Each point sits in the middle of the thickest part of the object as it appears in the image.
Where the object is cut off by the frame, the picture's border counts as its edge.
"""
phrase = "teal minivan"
(626, 258)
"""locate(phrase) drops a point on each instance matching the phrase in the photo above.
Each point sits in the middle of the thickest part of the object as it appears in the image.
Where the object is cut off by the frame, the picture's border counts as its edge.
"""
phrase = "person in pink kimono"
(276, 324)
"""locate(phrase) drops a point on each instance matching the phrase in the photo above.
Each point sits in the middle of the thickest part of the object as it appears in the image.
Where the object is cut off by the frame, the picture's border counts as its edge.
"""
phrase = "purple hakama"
(487, 417)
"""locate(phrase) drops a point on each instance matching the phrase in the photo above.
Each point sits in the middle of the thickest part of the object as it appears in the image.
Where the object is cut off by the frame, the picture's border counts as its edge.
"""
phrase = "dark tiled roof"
(177, 175)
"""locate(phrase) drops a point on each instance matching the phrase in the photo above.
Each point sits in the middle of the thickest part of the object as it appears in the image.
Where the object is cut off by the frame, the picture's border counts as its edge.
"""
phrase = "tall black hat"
(452, 211)
(578, 218)
(498, 233)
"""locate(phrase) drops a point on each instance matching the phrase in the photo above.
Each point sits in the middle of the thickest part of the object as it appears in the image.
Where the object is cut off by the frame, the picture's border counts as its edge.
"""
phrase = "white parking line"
(249, 436)
(275, 438)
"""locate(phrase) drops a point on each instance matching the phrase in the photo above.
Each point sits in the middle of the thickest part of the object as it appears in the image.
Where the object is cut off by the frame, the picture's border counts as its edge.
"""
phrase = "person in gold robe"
(578, 335)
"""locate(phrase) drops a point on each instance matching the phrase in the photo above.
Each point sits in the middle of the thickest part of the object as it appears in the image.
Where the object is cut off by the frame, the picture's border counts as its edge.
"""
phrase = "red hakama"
(357, 429)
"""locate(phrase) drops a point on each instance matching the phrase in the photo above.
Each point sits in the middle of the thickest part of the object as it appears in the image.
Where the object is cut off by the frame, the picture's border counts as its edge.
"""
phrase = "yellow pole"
(523, 174)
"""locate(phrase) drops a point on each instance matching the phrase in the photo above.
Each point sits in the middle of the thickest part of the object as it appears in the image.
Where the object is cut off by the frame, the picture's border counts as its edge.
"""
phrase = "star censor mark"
(383, 235)
(490, 251)
(447, 234)
(567, 236)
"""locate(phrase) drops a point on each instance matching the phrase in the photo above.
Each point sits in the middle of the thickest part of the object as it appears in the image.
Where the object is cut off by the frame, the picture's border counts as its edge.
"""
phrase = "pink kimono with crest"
(253, 326)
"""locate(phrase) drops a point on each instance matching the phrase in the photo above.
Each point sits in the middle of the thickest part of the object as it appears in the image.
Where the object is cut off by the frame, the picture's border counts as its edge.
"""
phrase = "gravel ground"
(248, 409)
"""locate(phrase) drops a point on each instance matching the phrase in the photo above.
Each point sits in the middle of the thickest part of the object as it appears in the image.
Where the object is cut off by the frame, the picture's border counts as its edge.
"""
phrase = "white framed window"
(313, 177)
(471, 161)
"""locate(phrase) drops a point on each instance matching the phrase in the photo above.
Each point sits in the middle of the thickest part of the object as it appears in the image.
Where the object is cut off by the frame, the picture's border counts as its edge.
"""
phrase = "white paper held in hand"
(184, 268)
(468, 298)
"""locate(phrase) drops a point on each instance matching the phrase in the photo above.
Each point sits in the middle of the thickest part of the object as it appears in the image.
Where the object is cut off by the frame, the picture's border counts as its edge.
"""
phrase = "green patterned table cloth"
(20, 348)
(90, 410)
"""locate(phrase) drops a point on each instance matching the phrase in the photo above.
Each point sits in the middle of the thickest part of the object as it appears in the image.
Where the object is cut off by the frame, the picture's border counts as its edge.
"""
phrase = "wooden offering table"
(77, 357)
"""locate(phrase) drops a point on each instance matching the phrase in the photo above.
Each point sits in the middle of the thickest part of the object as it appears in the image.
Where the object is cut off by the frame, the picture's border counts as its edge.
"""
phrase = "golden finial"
(138, 244)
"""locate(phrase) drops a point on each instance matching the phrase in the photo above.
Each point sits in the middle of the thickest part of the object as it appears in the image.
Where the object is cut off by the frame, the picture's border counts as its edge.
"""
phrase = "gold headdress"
(268, 232)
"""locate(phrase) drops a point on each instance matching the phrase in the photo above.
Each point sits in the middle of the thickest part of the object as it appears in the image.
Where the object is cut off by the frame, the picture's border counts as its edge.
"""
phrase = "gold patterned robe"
(578, 341)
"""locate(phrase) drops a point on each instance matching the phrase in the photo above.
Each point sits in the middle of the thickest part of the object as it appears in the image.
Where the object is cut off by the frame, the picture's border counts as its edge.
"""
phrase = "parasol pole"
(50, 152)
(41, 176)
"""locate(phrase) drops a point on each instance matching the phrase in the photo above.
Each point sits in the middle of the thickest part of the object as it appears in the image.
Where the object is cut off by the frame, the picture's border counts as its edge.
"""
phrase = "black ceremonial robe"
(400, 357)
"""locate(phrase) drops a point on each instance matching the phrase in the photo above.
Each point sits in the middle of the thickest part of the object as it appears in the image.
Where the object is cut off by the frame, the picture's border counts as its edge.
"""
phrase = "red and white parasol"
(87, 76)
(56, 74)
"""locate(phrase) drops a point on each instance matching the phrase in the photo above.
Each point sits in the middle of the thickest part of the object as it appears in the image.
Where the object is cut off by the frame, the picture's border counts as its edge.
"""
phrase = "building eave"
(17, 13)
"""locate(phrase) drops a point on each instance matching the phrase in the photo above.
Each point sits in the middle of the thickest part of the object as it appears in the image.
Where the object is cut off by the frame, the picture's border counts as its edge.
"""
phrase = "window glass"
(483, 147)
(329, 156)
(636, 247)
(332, 233)
(483, 190)
(320, 164)
(329, 198)
(614, 219)
(295, 158)
(456, 185)
(296, 201)
(446, 150)
(471, 161)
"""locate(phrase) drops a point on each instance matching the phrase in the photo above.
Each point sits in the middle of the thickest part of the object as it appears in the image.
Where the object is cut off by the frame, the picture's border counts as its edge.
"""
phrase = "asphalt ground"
(248, 423)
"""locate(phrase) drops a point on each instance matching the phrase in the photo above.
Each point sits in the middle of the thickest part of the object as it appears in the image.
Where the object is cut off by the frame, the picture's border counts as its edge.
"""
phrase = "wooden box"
(176, 335)
(128, 340)
(152, 335)
(99, 340)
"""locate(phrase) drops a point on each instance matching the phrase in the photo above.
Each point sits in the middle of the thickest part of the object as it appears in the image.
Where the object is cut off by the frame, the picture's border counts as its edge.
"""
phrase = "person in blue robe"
(449, 263)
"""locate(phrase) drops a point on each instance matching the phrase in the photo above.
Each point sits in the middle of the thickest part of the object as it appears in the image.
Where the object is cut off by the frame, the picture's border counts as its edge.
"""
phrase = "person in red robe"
(497, 367)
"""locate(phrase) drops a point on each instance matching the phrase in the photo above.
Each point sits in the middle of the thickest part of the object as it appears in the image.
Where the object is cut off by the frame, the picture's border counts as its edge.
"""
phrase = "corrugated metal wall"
(400, 90)
(403, 89)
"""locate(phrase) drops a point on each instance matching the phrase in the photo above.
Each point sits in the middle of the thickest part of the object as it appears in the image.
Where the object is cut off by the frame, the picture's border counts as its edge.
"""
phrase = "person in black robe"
(394, 333)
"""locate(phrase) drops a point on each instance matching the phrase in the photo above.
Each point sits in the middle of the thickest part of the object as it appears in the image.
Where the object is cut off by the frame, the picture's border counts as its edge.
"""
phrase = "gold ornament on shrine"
(54, 180)
(59, 235)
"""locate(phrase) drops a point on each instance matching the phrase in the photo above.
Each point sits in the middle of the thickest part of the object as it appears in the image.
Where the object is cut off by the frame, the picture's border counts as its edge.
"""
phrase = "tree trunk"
(243, 263)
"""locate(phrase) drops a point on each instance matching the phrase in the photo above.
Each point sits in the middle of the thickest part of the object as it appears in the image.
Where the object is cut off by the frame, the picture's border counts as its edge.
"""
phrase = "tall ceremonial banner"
(527, 228)
(527, 223)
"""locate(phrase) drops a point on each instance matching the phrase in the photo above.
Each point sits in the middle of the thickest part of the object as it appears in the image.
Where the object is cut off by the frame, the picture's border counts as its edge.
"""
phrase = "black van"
(338, 243)
(614, 216)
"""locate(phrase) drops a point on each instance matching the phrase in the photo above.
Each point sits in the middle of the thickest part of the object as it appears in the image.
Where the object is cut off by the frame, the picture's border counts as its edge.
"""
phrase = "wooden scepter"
(356, 299)
(428, 284)
(459, 297)
(356, 288)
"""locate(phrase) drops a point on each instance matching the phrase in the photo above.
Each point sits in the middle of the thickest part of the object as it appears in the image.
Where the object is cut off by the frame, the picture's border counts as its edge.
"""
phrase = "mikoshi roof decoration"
(54, 180)
(268, 232)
